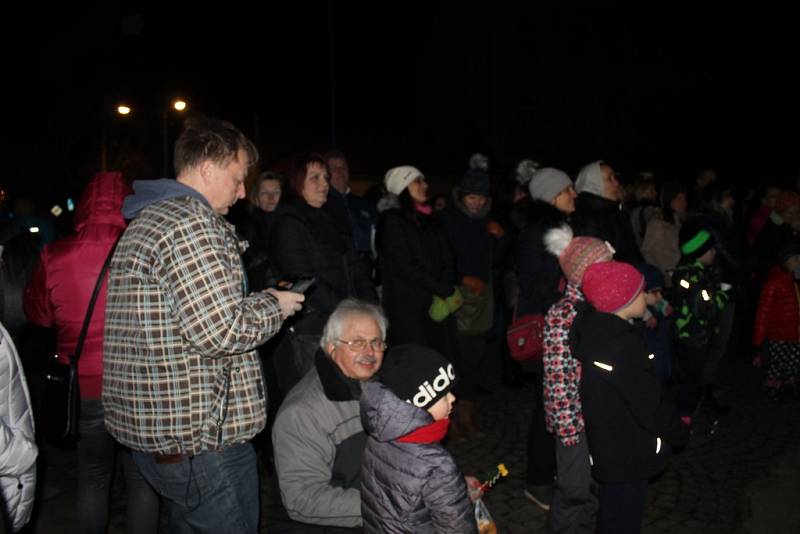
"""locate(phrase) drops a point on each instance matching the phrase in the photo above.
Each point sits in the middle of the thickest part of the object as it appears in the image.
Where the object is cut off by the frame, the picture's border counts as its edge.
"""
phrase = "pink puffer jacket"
(59, 290)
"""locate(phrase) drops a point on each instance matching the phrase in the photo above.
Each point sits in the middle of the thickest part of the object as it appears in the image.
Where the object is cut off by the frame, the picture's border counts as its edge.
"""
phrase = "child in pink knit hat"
(572, 504)
(631, 427)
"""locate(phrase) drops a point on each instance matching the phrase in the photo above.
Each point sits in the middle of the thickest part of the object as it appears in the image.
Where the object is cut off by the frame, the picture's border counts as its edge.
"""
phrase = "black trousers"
(541, 448)
(691, 364)
(621, 507)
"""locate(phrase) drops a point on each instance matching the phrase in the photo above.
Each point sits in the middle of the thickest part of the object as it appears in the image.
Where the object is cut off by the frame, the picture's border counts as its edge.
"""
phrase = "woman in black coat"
(416, 265)
(599, 212)
(553, 200)
(305, 241)
(476, 242)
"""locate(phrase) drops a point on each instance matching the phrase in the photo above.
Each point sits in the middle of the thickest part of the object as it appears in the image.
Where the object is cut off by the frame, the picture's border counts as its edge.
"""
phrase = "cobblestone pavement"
(745, 478)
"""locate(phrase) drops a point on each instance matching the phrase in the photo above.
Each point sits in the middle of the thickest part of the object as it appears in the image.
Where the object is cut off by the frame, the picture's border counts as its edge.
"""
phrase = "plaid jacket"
(180, 371)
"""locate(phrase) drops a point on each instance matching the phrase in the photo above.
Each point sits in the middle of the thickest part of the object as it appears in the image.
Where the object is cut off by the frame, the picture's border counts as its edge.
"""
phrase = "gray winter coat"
(17, 447)
(318, 443)
(408, 487)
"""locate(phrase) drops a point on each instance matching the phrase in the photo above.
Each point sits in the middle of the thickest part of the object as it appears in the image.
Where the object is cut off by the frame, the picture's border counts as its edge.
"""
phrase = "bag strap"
(79, 347)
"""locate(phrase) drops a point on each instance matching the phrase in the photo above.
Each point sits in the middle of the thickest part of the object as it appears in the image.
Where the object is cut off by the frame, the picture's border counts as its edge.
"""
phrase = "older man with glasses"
(317, 437)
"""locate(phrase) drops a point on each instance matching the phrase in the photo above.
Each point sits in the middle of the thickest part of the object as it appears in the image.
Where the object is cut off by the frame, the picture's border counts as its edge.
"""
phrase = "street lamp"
(180, 106)
(123, 110)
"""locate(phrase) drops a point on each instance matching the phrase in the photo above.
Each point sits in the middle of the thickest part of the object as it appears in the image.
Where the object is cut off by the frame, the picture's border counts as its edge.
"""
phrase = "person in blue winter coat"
(409, 481)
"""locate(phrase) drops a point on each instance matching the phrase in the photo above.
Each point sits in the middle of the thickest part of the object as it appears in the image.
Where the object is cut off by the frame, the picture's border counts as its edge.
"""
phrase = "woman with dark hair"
(419, 294)
(263, 199)
(660, 244)
(305, 241)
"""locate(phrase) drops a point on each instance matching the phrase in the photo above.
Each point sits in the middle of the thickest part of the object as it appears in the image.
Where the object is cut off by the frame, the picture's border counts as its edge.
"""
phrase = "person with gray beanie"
(552, 202)
(554, 187)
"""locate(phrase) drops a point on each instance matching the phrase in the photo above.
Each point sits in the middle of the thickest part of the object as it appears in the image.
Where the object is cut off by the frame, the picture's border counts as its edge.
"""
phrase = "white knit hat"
(590, 179)
(398, 178)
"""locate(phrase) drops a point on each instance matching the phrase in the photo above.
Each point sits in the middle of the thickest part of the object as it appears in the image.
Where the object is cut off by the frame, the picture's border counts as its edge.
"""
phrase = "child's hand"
(474, 488)
(667, 310)
(651, 322)
(757, 360)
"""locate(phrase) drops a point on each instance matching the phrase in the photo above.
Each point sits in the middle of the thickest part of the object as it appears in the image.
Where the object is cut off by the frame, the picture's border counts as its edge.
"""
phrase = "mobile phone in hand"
(302, 285)
(299, 285)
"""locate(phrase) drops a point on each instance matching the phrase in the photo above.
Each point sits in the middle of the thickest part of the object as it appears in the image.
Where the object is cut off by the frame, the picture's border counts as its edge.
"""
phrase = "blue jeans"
(215, 492)
(97, 453)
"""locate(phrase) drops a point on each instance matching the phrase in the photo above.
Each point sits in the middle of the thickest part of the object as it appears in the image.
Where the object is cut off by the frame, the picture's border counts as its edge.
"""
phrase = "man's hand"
(290, 302)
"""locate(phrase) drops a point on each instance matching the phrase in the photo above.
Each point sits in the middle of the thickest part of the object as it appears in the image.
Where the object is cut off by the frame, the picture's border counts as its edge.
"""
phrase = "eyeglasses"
(361, 344)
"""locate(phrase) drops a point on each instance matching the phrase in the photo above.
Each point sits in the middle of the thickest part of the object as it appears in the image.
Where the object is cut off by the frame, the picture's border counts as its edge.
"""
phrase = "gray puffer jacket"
(408, 487)
(17, 447)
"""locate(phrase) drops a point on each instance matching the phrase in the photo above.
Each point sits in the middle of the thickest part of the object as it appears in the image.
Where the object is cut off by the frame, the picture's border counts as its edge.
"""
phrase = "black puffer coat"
(409, 488)
(416, 264)
(309, 242)
(631, 427)
(538, 271)
(604, 219)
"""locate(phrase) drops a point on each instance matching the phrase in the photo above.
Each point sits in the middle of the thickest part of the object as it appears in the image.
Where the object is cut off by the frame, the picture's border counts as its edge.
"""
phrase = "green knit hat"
(695, 243)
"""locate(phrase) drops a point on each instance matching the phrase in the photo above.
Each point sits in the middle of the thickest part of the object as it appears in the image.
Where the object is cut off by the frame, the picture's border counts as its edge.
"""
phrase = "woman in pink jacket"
(57, 296)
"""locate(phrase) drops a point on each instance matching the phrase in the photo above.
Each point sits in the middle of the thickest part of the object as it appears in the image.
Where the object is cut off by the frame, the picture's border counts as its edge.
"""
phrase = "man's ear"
(329, 348)
(206, 169)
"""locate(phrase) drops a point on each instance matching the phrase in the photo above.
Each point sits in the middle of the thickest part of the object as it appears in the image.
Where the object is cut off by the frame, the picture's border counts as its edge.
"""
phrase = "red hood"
(101, 201)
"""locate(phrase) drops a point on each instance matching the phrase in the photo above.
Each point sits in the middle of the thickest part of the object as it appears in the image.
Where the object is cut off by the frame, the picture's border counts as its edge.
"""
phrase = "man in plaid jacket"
(182, 384)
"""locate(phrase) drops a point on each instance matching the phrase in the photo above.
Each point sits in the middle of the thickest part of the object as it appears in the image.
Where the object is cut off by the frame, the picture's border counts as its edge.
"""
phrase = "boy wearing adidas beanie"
(698, 301)
(409, 481)
(630, 425)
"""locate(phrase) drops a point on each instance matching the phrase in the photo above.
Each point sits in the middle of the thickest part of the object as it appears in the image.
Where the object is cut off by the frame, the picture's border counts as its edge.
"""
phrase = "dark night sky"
(426, 83)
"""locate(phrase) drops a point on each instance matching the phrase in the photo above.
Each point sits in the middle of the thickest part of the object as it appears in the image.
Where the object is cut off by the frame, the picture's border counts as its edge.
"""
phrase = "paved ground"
(743, 479)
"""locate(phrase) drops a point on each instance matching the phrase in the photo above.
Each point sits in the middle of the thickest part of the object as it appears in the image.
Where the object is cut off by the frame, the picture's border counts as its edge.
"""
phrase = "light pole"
(180, 106)
(123, 110)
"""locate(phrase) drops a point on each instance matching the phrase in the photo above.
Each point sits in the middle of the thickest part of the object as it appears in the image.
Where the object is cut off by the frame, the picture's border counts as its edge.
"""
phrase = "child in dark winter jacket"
(658, 322)
(776, 333)
(698, 300)
(629, 424)
(410, 482)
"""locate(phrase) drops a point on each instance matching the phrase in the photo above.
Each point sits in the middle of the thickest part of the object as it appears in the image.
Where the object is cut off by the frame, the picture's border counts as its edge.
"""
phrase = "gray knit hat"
(590, 179)
(547, 183)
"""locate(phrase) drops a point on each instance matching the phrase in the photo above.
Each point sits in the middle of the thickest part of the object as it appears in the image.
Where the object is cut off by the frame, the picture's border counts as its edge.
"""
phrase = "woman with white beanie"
(599, 212)
(419, 290)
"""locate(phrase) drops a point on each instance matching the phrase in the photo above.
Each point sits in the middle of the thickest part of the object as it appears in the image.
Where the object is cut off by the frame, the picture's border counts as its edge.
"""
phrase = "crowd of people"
(342, 338)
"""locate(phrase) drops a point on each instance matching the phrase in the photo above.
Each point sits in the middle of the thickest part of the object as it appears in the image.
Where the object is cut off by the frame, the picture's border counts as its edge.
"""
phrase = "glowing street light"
(180, 106)
(122, 109)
